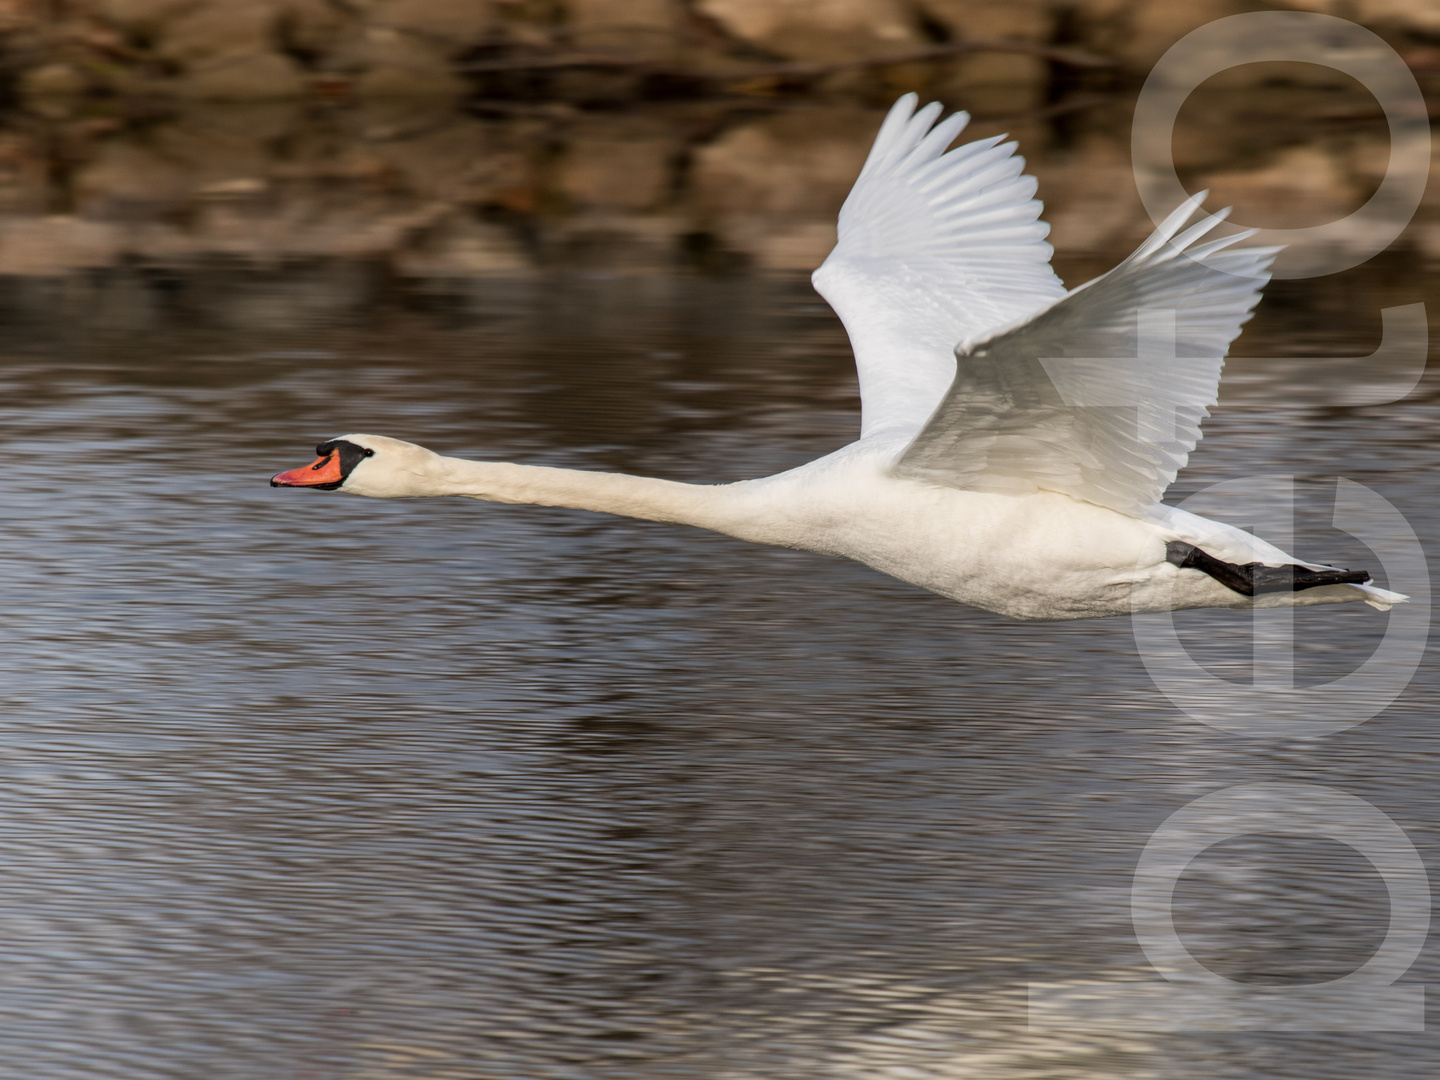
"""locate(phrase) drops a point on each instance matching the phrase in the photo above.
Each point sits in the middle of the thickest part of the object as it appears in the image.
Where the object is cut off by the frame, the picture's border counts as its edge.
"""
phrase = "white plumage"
(933, 248)
(1016, 438)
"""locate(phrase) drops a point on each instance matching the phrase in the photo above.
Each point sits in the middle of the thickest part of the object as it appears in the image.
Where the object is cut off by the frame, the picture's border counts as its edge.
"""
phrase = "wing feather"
(1100, 396)
(933, 248)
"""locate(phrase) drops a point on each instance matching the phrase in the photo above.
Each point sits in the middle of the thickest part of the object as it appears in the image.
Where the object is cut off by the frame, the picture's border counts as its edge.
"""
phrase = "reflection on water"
(304, 786)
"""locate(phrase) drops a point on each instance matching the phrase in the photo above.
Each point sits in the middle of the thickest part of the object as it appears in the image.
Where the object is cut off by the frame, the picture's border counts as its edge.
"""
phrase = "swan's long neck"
(719, 508)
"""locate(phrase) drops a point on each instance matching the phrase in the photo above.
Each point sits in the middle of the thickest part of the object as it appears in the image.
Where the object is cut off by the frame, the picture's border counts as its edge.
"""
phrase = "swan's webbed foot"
(1253, 579)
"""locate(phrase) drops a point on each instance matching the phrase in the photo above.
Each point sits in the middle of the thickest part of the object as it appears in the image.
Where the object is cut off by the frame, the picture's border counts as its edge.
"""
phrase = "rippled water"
(300, 786)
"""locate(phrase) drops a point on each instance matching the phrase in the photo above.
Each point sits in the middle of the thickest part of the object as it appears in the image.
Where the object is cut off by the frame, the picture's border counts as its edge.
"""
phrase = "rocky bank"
(138, 140)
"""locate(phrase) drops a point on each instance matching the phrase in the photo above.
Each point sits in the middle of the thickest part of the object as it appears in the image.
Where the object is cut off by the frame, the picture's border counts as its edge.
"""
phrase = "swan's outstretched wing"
(1099, 396)
(933, 248)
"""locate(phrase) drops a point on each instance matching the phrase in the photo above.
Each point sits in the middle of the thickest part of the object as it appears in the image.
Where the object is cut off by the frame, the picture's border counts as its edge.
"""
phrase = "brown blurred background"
(427, 140)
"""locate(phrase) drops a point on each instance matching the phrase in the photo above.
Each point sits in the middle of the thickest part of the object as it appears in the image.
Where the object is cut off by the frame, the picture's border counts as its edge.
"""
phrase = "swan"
(1016, 438)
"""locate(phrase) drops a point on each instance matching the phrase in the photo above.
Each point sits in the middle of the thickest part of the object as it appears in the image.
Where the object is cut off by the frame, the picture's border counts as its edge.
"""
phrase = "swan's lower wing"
(1101, 395)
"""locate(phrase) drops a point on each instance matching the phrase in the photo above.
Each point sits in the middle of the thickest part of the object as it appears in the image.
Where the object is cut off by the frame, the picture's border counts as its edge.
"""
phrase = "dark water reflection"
(308, 787)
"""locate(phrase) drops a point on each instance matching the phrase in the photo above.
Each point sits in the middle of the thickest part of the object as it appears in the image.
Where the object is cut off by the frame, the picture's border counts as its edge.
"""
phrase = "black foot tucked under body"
(1252, 579)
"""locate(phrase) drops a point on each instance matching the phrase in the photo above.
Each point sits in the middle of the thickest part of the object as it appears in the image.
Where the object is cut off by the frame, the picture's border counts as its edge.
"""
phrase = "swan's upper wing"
(933, 248)
(1099, 396)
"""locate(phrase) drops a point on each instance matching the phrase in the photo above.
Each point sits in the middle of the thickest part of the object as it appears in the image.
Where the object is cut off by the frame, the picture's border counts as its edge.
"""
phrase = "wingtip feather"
(1172, 224)
(891, 129)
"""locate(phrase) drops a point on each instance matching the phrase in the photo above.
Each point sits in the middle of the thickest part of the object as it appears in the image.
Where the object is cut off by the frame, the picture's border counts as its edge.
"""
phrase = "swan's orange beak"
(325, 470)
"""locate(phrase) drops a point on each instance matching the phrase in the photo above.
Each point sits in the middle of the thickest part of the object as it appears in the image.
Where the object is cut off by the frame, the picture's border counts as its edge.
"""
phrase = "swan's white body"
(1027, 479)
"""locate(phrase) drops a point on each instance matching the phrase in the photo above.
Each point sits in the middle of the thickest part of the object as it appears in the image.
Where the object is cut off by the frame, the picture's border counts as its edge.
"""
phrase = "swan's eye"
(369, 452)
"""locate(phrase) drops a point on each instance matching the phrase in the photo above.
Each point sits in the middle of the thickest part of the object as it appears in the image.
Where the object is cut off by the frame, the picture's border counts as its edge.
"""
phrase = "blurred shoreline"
(600, 53)
(713, 187)
(517, 160)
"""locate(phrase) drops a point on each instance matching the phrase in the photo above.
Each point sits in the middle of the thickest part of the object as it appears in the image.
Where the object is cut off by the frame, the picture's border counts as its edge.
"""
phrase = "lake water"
(294, 785)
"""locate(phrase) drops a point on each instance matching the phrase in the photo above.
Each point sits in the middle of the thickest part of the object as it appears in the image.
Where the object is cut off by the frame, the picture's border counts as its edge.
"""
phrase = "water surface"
(305, 786)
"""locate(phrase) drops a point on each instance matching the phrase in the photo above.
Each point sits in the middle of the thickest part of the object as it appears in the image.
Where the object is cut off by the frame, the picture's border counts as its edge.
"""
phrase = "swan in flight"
(1016, 438)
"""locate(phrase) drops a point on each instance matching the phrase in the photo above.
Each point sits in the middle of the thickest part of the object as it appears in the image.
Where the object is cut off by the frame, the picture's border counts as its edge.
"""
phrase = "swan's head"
(368, 465)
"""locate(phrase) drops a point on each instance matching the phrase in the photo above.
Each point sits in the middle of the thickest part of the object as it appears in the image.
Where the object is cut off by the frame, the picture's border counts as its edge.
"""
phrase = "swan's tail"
(1381, 599)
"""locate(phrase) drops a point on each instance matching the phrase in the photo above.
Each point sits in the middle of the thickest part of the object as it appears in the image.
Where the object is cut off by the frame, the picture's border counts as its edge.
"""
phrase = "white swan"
(1026, 479)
